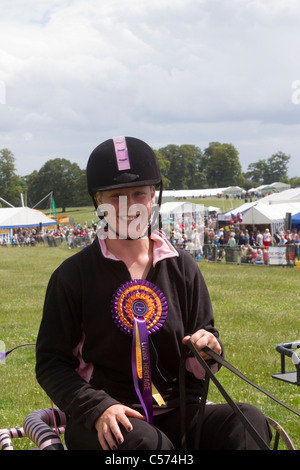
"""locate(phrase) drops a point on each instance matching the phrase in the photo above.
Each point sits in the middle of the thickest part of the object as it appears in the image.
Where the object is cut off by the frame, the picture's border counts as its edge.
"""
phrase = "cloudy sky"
(76, 72)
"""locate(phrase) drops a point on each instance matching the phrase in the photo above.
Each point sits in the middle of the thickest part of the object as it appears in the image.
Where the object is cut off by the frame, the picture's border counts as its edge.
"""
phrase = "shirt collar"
(162, 248)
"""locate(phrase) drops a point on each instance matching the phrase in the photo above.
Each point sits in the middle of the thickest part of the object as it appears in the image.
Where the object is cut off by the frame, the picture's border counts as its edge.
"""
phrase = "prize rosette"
(139, 308)
(139, 299)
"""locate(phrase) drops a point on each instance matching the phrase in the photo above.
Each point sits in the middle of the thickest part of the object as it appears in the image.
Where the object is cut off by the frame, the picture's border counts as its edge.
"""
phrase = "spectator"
(267, 237)
(276, 236)
(231, 242)
(259, 238)
(283, 240)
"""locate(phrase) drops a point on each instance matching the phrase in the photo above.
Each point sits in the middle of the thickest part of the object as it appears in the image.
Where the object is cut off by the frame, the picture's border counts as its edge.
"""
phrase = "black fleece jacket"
(77, 306)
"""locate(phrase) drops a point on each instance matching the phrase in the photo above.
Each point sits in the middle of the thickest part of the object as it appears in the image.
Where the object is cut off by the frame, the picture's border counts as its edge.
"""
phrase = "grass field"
(255, 308)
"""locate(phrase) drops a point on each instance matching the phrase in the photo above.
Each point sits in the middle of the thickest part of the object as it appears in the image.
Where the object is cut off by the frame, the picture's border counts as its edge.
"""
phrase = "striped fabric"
(42, 427)
(6, 436)
(38, 426)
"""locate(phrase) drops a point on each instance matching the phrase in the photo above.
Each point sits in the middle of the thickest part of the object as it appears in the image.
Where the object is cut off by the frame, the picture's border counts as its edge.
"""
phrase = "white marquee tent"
(180, 207)
(238, 210)
(264, 188)
(263, 214)
(183, 217)
(172, 195)
(22, 217)
(288, 196)
(270, 210)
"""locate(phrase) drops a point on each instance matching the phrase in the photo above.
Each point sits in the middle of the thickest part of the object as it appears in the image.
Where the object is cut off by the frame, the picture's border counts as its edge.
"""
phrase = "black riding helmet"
(122, 162)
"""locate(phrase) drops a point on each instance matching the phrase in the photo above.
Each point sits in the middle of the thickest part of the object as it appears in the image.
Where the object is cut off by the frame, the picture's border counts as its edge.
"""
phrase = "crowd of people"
(252, 246)
(74, 236)
(206, 241)
(233, 242)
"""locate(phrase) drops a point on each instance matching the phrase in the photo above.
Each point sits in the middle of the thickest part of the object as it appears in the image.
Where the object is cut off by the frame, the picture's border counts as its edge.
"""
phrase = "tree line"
(182, 166)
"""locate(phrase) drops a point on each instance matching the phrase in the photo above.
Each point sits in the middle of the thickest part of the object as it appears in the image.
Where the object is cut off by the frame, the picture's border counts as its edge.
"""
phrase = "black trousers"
(221, 430)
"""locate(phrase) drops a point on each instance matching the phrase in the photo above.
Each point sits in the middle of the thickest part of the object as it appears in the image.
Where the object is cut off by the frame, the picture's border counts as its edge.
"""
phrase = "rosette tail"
(140, 309)
(141, 367)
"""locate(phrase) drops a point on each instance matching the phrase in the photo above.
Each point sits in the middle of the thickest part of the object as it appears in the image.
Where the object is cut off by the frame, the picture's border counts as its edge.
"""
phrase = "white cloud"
(186, 71)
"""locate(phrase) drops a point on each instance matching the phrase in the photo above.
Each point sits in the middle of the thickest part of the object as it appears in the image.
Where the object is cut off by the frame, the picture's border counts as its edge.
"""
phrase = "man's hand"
(202, 338)
(107, 425)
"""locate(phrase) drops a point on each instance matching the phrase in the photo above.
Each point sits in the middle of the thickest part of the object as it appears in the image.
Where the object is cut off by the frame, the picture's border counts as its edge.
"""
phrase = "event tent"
(226, 216)
(296, 221)
(288, 196)
(263, 214)
(273, 209)
(184, 218)
(268, 210)
(180, 207)
(22, 217)
(263, 188)
(259, 213)
(169, 194)
(212, 209)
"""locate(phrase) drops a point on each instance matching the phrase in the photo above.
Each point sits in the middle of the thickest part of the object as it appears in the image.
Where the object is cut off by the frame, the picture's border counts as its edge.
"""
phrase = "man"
(232, 241)
(116, 319)
(259, 238)
(276, 236)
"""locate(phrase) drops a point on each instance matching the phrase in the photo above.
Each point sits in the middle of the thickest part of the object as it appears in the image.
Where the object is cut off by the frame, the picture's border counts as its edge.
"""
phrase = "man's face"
(127, 210)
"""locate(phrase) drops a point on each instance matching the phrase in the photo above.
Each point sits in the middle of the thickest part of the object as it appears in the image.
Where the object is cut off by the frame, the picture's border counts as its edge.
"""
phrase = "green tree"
(277, 166)
(269, 171)
(295, 182)
(59, 176)
(175, 172)
(11, 185)
(81, 196)
(32, 188)
(256, 172)
(222, 165)
(193, 164)
(164, 165)
(185, 166)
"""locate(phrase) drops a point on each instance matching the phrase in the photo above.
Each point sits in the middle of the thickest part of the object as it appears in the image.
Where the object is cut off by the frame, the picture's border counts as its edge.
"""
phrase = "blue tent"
(296, 221)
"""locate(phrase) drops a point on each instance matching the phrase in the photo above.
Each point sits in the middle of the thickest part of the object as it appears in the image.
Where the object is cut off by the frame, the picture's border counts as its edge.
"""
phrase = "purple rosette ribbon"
(139, 308)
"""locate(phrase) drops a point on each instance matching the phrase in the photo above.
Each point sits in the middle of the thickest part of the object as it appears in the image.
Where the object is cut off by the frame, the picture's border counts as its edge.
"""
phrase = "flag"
(53, 208)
